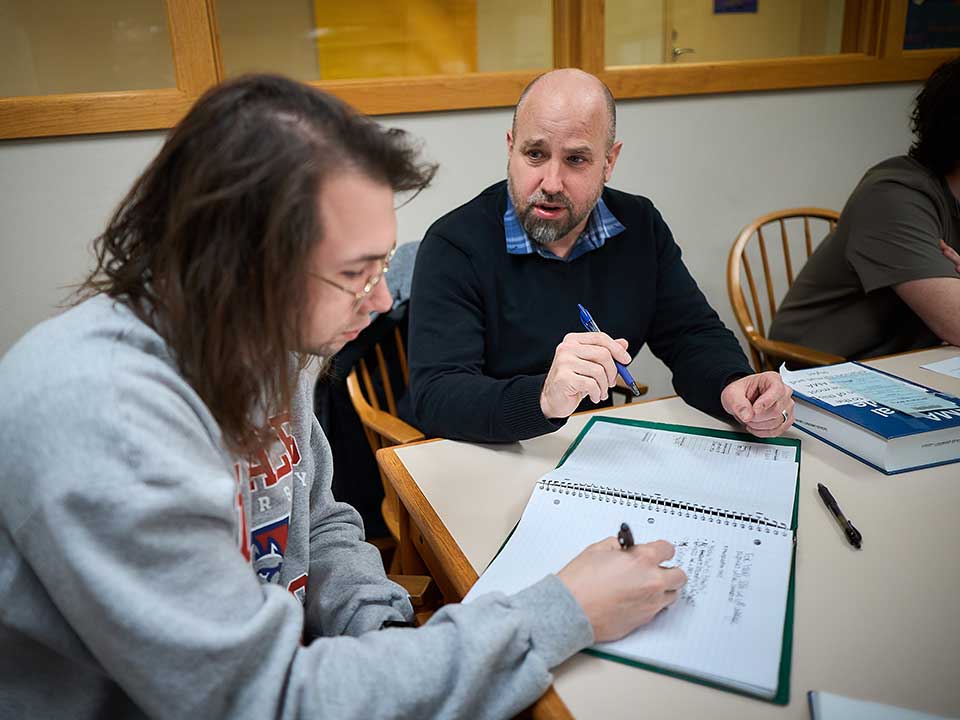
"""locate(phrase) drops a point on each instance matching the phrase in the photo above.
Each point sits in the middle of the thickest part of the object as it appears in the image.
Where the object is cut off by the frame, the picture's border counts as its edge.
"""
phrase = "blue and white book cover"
(884, 404)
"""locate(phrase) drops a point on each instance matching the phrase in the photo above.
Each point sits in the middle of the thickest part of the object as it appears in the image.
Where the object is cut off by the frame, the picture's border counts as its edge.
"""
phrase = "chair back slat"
(757, 313)
(368, 388)
(402, 355)
(806, 236)
(785, 242)
(767, 275)
(385, 379)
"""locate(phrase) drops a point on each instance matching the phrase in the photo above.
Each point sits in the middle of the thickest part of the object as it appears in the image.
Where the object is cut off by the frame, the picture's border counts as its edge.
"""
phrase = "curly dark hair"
(936, 121)
(205, 246)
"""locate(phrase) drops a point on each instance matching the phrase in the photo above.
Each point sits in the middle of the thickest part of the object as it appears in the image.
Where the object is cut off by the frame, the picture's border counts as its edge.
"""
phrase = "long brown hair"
(209, 245)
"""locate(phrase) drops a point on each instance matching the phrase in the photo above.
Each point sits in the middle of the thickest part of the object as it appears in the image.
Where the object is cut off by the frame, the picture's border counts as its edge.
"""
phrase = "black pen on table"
(853, 535)
(625, 537)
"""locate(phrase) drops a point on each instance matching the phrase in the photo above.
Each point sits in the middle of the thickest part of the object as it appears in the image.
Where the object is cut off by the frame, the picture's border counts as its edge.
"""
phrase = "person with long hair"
(887, 279)
(169, 545)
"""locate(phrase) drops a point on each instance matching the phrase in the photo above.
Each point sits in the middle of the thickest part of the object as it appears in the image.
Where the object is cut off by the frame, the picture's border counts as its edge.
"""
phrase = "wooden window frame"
(872, 44)
(195, 63)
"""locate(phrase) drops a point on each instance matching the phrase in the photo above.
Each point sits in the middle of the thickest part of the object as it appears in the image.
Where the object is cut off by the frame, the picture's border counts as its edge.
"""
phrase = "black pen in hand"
(625, 537)
(853, 535)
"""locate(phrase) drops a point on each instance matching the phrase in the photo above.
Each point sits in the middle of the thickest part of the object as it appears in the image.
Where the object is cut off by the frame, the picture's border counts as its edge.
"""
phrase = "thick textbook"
(889, 423)
(727, 501)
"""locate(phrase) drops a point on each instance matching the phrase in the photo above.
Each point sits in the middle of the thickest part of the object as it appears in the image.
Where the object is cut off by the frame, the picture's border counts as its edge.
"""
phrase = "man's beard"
(542, 231)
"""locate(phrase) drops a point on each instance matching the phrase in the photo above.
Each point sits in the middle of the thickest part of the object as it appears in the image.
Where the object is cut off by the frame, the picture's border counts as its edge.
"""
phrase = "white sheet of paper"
(949, 367)
(829, 706)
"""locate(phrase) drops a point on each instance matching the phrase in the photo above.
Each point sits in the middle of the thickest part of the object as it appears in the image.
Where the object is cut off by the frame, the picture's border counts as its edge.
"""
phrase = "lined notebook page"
(727, 624)
(745, 477)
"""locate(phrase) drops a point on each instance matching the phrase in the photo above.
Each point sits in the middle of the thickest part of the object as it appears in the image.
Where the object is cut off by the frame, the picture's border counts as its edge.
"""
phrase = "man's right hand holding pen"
(583, 365)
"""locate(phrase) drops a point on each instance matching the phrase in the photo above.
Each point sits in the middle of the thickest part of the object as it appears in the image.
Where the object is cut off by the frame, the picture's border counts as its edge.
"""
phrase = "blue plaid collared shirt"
(600, 226)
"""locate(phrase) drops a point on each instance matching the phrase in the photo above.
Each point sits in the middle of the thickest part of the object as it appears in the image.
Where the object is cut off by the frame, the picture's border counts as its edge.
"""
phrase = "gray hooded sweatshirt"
(145, 572)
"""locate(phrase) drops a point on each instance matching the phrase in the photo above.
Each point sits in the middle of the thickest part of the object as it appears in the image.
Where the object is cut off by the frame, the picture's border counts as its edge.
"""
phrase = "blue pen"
(590, 325)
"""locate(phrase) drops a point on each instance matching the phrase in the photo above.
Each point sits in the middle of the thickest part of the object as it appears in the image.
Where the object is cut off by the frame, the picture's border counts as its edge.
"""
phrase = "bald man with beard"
(497, 352)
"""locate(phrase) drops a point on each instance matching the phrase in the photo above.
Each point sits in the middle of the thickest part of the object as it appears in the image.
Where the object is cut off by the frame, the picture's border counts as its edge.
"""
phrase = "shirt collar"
(600, 226)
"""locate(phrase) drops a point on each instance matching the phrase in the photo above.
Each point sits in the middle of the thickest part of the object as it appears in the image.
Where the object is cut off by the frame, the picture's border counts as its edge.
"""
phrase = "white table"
(880, 624)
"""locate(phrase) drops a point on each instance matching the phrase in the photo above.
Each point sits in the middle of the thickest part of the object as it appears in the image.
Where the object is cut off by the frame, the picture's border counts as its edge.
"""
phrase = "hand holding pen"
(584, 365)
(591, 326)
(621, 585)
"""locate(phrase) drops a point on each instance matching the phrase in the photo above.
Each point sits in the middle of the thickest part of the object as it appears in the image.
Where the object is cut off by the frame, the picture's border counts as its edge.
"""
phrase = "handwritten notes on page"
(727, 623)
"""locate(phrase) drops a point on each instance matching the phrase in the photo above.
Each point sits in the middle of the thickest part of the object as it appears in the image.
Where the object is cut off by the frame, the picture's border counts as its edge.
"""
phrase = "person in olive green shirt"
(887, 279)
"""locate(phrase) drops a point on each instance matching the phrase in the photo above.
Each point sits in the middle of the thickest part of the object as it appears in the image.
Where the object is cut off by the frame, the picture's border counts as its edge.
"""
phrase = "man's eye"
(576, 160)
(534, 154)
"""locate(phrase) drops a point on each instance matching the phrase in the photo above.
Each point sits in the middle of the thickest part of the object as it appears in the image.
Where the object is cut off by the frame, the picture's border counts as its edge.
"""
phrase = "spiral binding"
(654, 503)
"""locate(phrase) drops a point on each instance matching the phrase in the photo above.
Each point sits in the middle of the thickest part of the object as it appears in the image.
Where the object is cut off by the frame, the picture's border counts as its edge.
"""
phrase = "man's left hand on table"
(761, 402)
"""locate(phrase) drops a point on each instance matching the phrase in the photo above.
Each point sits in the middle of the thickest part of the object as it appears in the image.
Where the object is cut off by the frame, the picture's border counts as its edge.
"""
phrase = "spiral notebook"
(727, 501)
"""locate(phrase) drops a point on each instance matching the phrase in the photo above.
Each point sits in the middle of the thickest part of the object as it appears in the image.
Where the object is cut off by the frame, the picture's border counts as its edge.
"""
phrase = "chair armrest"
(391, 428)
(790, 351)
(423, 591)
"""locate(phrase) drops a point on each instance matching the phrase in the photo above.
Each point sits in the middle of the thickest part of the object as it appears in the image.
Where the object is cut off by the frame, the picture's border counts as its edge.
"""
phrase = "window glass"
(334, 40)
(650, 32)
(64, 46)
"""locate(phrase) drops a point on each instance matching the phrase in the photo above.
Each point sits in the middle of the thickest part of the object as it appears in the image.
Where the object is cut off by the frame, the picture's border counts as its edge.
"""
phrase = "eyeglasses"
(369, 285)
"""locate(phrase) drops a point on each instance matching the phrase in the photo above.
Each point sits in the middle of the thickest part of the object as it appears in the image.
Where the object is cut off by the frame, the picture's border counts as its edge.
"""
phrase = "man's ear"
(611, 159)
(509, 141)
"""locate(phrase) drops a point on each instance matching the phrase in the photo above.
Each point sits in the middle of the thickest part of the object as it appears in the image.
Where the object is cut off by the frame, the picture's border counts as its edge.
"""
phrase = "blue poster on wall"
(932, 24)
(734, 6)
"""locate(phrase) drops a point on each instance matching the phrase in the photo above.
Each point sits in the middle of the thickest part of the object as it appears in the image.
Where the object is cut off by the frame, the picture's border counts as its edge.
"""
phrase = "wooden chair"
(376, 405)
(767, 354)
(378, 415)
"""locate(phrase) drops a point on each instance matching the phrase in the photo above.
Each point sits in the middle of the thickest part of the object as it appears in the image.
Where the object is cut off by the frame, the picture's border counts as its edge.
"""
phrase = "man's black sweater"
(484, 324)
